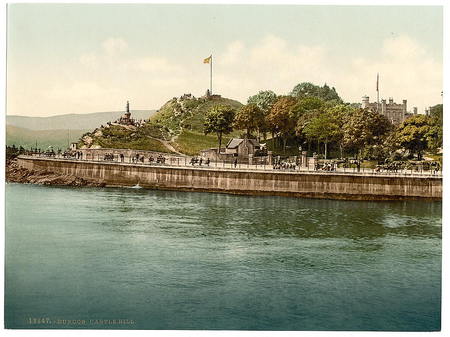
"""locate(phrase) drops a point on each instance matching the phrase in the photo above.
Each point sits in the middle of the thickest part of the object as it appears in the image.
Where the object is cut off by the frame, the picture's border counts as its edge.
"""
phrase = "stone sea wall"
(295, 184)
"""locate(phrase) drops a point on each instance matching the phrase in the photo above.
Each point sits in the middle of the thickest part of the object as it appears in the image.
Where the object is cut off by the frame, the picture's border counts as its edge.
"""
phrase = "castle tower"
(365, 102)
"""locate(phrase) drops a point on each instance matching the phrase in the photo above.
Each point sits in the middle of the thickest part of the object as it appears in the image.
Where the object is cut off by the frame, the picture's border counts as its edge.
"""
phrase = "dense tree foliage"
(219, 120)
(264, 100)
(436, 123)
(323, 127)
(416, 134)
(249, 118)
(282, 118)
(307, 89)
(316, 117)
(364, 128)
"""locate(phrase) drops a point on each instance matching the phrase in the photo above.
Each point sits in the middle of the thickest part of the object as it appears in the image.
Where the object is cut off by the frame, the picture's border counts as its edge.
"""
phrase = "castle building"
(394, 112)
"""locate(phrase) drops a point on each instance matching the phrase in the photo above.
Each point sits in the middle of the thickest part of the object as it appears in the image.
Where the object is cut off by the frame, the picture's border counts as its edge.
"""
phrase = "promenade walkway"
(185, 162)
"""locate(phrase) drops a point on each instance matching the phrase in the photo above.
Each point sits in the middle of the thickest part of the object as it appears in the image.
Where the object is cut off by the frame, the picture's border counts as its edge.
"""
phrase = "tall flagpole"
(210, 74)
(378, 92)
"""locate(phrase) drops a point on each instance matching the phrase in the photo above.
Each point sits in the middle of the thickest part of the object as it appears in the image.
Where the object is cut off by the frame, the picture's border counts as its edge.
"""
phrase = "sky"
(83, 58)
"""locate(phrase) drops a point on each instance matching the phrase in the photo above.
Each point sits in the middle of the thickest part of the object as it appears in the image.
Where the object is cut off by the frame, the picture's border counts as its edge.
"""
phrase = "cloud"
(113, 46)
(406, 71)
(233, 53)
(401, 48)
(106, 77)
(271, 63)
(89, 60)
(154, 65)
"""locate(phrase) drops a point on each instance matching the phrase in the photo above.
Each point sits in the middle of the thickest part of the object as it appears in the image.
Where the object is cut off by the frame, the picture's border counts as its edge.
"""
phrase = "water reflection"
(174, 260)
(200, 215)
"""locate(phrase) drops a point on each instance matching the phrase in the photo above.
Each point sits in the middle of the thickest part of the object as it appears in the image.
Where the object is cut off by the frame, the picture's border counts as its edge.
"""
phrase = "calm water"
(177, 260)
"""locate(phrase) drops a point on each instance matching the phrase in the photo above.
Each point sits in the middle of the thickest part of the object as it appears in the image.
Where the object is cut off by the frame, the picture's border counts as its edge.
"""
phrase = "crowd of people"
(141, 158)
(328, 166)
(199, 161)
(286, 164)
(398, 166)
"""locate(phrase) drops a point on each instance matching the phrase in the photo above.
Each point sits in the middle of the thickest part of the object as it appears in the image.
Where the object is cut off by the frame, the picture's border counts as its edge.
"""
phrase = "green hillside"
(147, 137)
(188, 113)
(176, 126)
(191, 142)
(44, 138)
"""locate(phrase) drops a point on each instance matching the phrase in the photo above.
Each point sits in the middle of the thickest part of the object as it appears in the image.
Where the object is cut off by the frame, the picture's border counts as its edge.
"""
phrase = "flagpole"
(378, 92)
(210, 75)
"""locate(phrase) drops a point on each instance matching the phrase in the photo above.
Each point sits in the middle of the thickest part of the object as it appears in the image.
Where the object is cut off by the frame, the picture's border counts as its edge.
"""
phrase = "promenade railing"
(186, 162)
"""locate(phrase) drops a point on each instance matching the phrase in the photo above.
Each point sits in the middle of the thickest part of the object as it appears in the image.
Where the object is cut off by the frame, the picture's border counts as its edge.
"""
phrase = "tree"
(282, 118)
(308, 103)
(323, 128)
(307, 89)
(219, 120)
(306, 109)
(362, 128)
(264, 100)
(436, 132)
(414, 134)
(387, 148)
(249, 117)
(323, 122)
(329, 94)
(341, 113)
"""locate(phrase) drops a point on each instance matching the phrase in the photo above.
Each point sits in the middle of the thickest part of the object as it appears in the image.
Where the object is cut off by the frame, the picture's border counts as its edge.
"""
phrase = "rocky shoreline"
(16, 174)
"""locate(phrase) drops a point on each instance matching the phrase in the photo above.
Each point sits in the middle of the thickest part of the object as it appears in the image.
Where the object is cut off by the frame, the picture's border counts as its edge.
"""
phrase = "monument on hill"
(126, 118)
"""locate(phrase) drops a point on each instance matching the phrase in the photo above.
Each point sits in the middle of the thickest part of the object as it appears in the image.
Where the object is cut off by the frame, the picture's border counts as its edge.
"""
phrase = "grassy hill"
(147, 137)
(44, 138)
(179, 121)
(188, 113)
(191, 142)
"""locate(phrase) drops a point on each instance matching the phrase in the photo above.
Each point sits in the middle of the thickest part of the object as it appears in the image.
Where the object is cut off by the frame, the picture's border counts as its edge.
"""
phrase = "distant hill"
(44, 138)
(72, 121)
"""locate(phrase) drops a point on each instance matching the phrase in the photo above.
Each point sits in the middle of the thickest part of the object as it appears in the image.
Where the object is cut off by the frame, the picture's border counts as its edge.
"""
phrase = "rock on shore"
(17, 174)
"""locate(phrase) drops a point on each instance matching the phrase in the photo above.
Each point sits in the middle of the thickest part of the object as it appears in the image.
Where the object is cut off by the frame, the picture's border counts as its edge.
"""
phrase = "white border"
(445, 241)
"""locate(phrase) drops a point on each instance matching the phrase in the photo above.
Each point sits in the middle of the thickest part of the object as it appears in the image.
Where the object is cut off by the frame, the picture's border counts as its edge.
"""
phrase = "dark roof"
(235, 142)
(254, 142)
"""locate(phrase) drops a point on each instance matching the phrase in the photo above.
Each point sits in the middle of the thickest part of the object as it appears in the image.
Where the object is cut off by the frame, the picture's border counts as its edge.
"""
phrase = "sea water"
(142, 259)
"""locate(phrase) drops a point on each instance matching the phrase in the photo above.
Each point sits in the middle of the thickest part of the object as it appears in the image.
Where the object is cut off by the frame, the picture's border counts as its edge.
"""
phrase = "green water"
(177, 260)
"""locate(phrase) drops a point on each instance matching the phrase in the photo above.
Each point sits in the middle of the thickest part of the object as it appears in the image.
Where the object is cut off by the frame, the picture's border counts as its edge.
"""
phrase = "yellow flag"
(207, 60)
